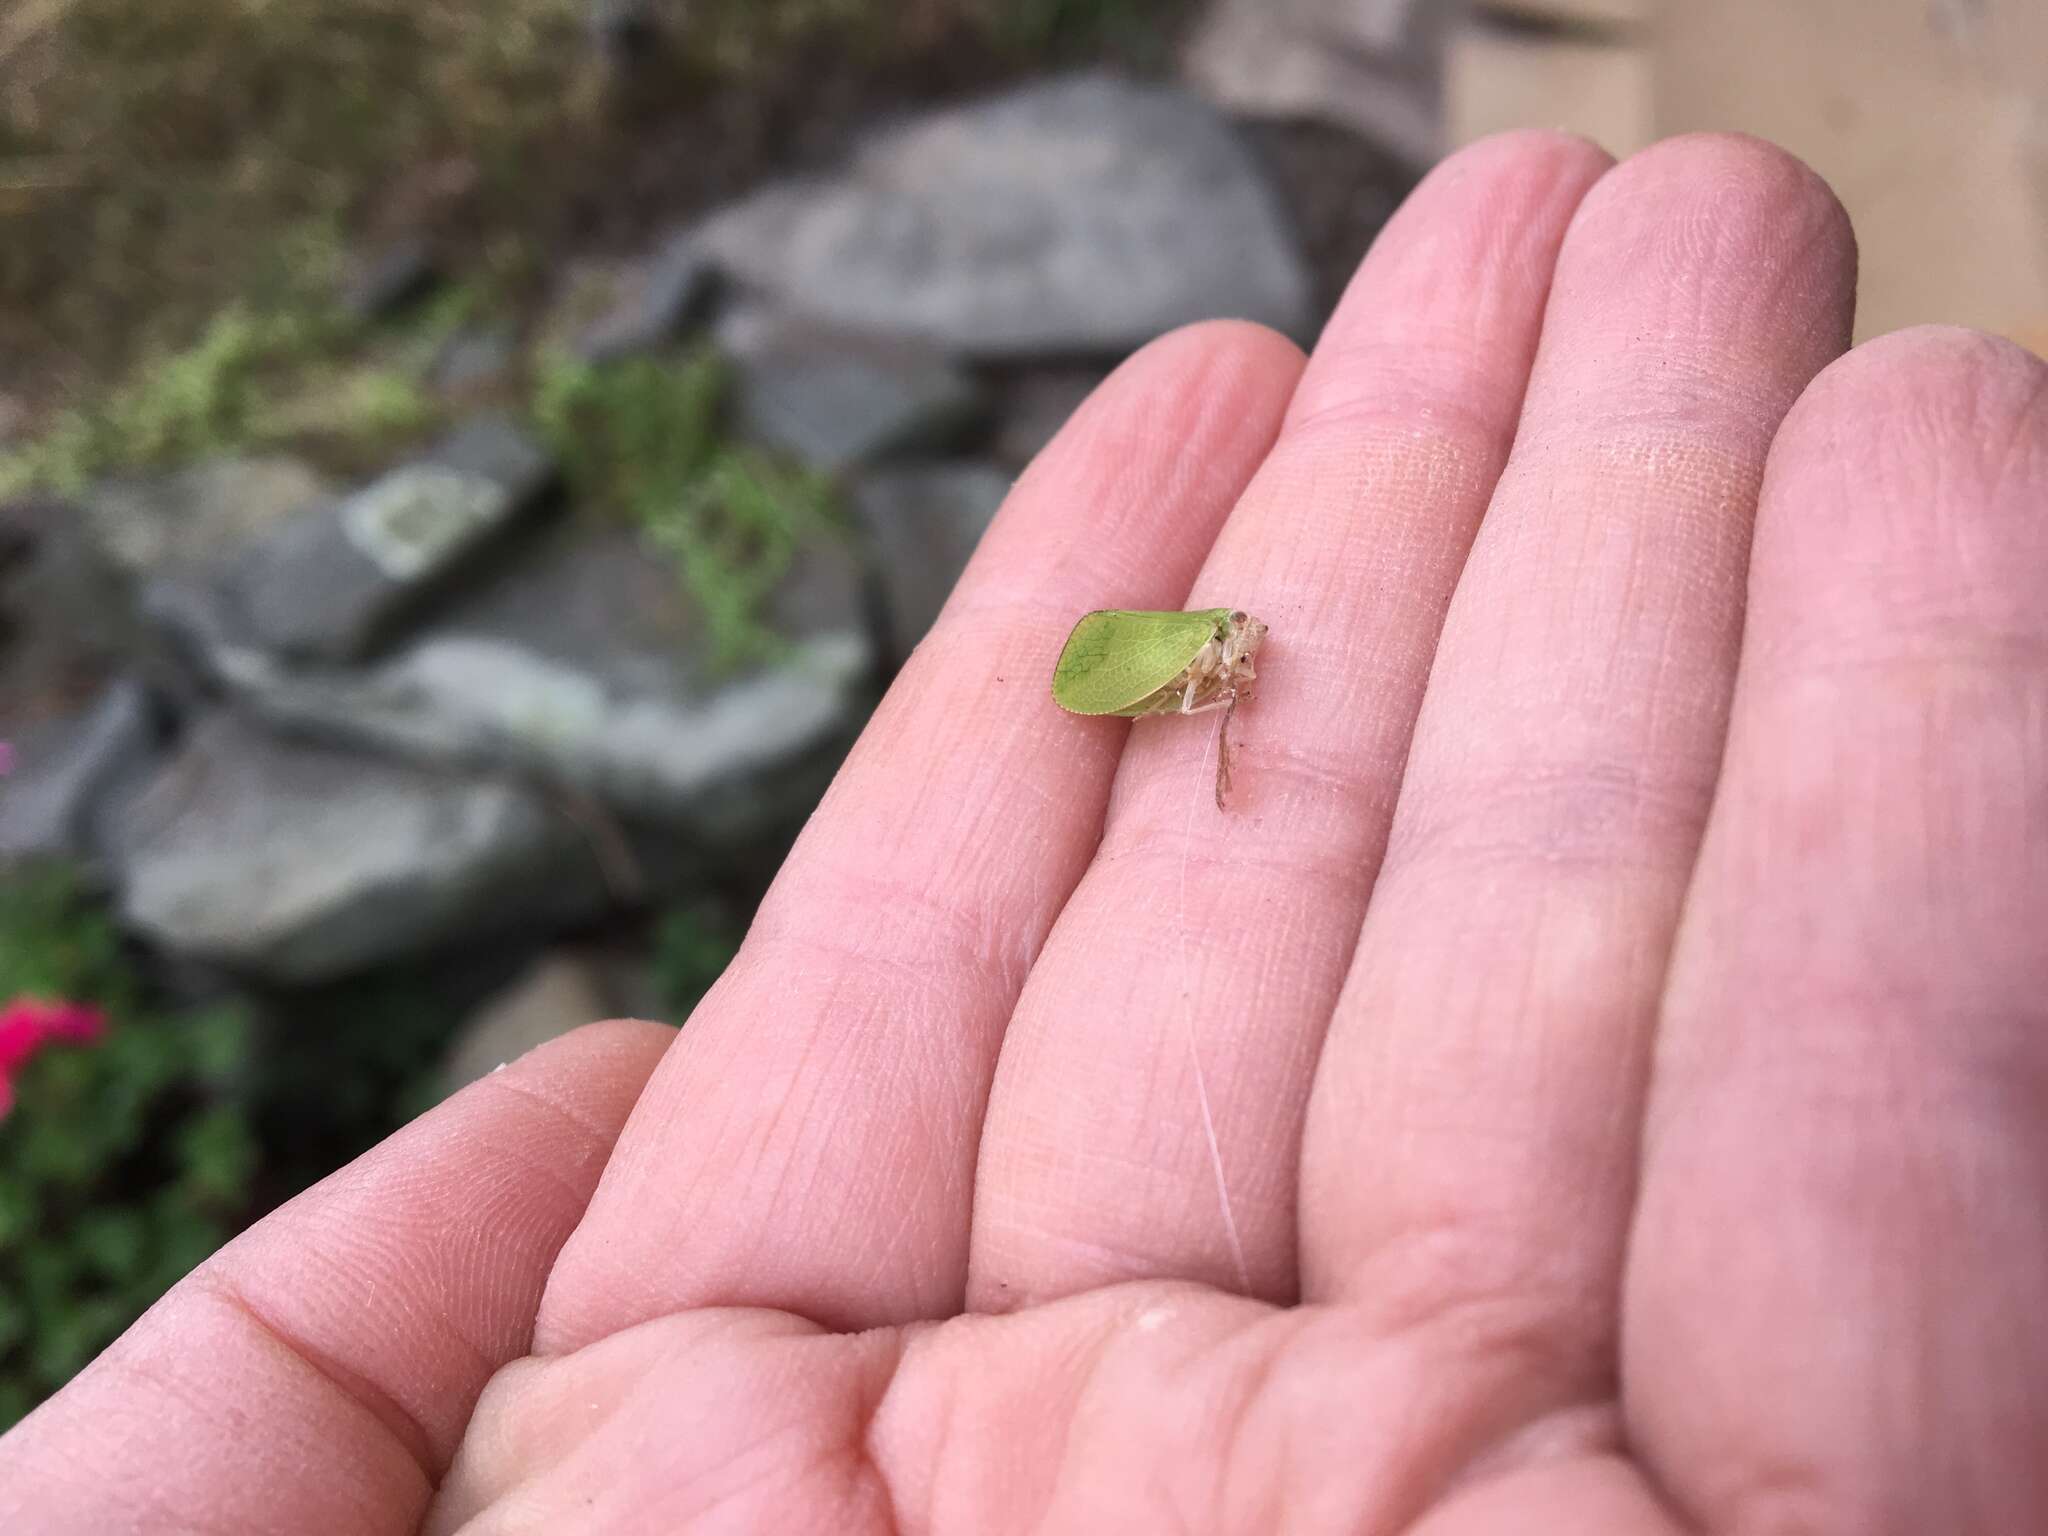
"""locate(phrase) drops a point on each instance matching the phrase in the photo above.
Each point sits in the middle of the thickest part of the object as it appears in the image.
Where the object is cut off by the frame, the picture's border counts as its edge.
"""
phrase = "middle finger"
(1146, 1114)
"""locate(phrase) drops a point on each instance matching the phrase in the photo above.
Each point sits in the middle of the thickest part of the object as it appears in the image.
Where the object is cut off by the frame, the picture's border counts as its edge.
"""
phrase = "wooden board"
(1926, 116)
(1496, 79)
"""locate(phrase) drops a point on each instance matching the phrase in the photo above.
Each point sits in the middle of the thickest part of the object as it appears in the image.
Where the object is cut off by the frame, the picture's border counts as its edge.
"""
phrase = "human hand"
(1593, 1079)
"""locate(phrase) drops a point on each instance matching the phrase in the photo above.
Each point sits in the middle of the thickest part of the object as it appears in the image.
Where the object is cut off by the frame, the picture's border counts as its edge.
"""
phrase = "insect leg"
(1223, 751)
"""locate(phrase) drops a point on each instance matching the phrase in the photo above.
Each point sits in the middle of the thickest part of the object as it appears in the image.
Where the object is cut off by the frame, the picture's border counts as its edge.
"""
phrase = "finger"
(810, 1144)
(1146, 1119)
(317, 1373)
(1843, 1232)
(1472, 1139)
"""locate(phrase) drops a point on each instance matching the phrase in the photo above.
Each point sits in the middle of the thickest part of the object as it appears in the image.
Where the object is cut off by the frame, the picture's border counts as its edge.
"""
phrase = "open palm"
(1593, 1079)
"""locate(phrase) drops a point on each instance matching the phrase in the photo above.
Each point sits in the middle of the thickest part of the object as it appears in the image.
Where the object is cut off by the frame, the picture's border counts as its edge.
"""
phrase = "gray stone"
(832, 400)
(65, 626)
(1372, 66)
(334, 581)
(923, 522)
(68, 773)
(1036, 405)
(561, 992)
(651, 303)
(1080, 216)
(300, 864)
(626, 969)
(392, 277)
(583, 663)
(475, 362)
(197, 516)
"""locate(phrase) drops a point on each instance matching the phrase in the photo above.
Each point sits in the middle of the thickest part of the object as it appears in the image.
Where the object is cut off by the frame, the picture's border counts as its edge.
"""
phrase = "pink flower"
(29, 1023)
(21, 1033)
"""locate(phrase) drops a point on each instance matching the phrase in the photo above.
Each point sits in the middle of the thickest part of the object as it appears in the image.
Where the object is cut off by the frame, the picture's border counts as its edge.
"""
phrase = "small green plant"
(172, 149)
(250, 381)
(641, 439)
(125, 1158)
(187, 404)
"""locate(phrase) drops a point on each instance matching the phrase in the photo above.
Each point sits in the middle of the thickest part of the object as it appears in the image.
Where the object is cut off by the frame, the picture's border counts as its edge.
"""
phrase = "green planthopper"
(1136, 664)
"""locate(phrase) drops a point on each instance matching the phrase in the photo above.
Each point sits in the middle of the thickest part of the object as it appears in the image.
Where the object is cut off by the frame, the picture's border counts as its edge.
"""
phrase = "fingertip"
(1726, 228)
(1761, 183)
(1198, 407)
(1236, 365)
(1245, 343)
(1523, 153)
(1945, 380)
(623, 1041)
(1904, 505)
(1915, 421)
(593, 1075)
(1460, 231)
(1444, 311)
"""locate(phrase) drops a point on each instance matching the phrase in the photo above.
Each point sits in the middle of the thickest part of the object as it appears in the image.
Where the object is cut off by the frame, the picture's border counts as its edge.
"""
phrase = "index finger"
(811, 1143)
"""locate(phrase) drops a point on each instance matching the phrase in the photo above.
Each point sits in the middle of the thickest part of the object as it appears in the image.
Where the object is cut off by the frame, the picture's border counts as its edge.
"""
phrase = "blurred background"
(467, 471)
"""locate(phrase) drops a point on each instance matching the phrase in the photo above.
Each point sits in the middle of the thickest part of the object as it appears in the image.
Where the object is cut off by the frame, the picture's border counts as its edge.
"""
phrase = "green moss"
(252, 381)
(641, 439)
(184, 146)
(633, 433)
(190, 403)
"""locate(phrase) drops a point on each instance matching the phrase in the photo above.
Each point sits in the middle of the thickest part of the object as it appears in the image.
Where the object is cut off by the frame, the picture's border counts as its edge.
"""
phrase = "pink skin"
(1619, 984)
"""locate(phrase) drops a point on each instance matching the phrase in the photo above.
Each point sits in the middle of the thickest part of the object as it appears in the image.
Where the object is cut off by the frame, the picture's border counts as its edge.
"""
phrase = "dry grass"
(162, 158)
(158, 157)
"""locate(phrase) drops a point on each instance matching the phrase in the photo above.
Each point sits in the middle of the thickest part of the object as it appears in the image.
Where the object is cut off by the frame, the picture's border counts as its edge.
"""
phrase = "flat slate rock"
(199, 516)
(651, 302)
(67, 774)
(923, 522)
(475, 362)
(302, 864)
(1080, 216)
(338, 577)
(1035, 405)
(583, 663)
(65, 624)
(832, 400)
(1374, 67)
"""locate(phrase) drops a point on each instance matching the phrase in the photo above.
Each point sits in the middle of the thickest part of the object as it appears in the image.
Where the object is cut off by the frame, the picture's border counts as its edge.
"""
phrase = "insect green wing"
(1115, 661)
